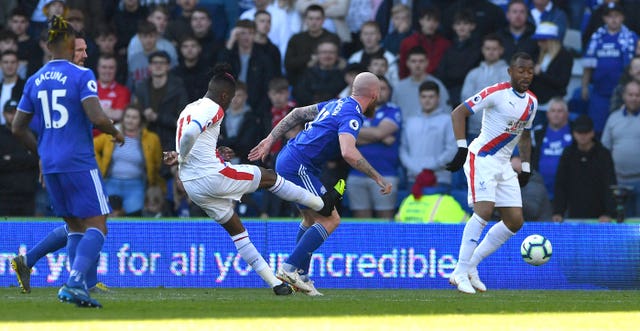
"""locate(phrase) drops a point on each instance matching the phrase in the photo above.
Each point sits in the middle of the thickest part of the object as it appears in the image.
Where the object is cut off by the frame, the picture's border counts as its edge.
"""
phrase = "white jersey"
(203, 159)
(506, 114)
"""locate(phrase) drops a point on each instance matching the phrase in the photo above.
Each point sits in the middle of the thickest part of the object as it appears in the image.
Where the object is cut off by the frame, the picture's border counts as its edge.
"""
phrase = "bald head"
(366, 84)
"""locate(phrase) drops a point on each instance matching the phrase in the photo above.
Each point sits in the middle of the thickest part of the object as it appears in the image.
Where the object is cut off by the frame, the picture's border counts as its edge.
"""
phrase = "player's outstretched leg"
(289, 191)
(23, 272)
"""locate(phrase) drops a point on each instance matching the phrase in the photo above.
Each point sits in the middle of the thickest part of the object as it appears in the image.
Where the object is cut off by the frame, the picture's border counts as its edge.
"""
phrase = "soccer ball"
(536, 249)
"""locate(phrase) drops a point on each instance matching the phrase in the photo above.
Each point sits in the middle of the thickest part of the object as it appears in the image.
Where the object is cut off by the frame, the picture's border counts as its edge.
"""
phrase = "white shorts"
(216, 193)
(492, 179)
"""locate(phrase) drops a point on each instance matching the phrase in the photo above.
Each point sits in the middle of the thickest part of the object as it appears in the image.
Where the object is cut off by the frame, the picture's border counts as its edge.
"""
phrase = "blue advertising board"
(199, 253)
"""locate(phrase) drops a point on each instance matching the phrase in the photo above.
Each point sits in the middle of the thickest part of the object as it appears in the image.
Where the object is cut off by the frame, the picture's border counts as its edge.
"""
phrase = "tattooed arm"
(355, 159)
(297, 116)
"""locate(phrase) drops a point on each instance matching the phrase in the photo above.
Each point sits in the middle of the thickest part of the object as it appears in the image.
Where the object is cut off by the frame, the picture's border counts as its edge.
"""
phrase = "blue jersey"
(384, 158)
(54, 96)
(609, 54)
(318, 142)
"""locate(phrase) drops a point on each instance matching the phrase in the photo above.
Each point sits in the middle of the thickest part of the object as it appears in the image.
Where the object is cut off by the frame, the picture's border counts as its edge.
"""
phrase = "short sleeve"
(482, 100)
(350, 124)
(88, 85)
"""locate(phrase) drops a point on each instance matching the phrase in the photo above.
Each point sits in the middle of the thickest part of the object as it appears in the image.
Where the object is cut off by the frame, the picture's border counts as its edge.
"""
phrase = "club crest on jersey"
(354, 125)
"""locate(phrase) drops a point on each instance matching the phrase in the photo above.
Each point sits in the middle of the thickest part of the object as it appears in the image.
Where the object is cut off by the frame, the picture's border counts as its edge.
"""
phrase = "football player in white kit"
(214, 184)
(509, 109)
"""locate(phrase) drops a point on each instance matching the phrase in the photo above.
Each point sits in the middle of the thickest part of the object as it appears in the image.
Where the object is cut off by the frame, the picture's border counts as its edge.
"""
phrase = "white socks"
(251, 256)
(289, 191)
(496, 236)
(470, 239)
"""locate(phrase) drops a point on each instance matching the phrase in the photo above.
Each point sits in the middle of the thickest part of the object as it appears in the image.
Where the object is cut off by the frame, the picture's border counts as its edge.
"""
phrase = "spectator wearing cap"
(621, 136)
(547, 11)
(576, 197)
(162, 96)
(610, 50)
(137, 58)
(552, 71)
(18, 169)
(596, 20)
(11, 85)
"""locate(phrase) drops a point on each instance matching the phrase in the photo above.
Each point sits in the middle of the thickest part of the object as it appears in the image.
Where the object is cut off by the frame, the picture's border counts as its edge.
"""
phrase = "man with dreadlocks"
(214, 184)
(63, 98)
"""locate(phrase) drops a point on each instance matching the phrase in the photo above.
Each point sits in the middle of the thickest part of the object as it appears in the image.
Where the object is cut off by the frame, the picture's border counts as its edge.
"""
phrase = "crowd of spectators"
(153, 57)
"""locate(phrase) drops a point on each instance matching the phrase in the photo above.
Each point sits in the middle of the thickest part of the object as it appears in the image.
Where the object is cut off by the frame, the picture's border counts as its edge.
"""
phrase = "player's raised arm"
(297, 116)
(100, 120)
(355, 159)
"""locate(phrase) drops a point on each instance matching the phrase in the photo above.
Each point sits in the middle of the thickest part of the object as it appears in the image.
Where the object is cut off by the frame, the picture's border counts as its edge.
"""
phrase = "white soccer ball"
(536, 249)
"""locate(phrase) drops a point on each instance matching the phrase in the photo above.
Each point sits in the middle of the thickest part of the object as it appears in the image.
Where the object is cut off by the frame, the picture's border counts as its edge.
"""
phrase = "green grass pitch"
(259, 309)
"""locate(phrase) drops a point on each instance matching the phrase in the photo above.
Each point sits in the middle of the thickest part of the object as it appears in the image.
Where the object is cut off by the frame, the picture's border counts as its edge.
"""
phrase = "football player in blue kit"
(63, 98)
(56, 238)
(331, 130)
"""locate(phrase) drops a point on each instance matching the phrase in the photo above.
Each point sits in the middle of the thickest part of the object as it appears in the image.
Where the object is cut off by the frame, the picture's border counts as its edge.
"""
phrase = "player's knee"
(268, 177)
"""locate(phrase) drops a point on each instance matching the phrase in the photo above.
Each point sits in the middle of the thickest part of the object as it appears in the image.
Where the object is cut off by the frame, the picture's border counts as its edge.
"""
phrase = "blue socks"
(311, 240)
(72, 243)
(55, 240)
(301, 230)
(86, 255)
(92, 273)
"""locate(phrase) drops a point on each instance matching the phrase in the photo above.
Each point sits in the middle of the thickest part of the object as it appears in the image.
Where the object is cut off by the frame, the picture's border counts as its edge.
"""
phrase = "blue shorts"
(77, 194)
(299, 174)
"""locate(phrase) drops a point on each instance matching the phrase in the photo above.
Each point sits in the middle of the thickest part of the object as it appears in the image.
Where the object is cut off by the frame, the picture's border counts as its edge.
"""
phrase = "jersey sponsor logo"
(353, 124)
(93, 87)
(476, 99)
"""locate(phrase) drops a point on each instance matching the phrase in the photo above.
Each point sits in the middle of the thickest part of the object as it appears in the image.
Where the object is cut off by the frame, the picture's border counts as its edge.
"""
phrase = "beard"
(371, 109)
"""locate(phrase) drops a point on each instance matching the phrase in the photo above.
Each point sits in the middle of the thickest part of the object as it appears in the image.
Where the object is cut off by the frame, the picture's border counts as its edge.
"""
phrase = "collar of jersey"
(625, 112)
(518, 95)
